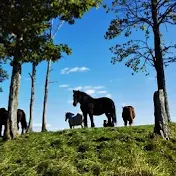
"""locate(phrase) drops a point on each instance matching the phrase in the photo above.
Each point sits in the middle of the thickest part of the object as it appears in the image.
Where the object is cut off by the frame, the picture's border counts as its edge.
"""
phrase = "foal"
(74, 120)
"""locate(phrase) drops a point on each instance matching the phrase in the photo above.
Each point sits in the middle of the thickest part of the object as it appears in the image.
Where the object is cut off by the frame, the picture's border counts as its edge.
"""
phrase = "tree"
(148, 16)
(52, 36)
(22, 32)
(33, 79)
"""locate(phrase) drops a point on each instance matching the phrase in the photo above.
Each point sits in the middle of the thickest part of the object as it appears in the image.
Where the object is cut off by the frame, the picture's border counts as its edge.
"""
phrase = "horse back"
(76, 120)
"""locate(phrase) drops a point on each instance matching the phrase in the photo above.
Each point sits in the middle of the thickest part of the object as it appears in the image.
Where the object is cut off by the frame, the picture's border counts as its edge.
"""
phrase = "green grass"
(121, 151)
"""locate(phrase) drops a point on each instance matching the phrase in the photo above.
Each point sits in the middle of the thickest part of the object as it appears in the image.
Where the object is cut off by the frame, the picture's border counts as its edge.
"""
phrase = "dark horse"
(95, 106)
(21, 117)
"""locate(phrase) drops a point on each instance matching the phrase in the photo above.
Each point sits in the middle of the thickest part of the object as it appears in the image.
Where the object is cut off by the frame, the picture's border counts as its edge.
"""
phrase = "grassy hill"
(121, 151)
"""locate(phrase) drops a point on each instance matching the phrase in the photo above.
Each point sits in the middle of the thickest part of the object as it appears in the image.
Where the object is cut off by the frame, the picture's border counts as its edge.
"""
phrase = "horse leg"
(109, 119)
(22, 132)
(22, 128)
(125, 122)
(91, 120)
(130, 122)
(0, 130)
(85, 119)
(18, 126)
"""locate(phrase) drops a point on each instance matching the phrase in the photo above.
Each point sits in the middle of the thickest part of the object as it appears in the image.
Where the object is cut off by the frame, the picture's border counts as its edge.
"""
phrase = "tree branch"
(168, 10)
(30, 75)
(51, 82)
(58, 27)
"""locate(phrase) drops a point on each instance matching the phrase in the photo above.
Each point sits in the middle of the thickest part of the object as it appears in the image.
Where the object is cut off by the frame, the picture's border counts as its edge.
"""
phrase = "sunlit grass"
(121, 151)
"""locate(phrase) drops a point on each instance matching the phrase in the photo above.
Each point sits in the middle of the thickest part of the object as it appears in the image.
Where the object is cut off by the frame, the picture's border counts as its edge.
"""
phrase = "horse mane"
(85, 94)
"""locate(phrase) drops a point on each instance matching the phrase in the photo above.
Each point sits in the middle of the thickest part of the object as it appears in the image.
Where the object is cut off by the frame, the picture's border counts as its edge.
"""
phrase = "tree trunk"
(46, 96)
(167, 105)
(13, 101)
(33, 79)
(161, 122)
(159, 65)
(6, 134)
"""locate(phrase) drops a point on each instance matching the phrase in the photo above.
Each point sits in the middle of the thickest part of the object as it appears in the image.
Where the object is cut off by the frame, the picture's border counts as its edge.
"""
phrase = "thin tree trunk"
(47, 79)
(159, 65)
(13, 101)
(46, 96)
(33, 79)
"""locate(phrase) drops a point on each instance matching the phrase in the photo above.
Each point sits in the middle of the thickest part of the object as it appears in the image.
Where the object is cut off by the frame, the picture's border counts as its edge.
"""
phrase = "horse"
(21, 118)
(4, 115)
(95, 106)
(128, 115)
(74, 120)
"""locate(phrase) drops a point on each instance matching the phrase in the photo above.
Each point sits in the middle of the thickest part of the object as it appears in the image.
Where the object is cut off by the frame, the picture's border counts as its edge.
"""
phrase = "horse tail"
(114, 117)
(24, 120)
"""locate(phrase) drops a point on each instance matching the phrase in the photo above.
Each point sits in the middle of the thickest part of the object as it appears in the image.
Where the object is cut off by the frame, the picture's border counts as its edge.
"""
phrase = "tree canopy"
(131, 16)
(23, 25)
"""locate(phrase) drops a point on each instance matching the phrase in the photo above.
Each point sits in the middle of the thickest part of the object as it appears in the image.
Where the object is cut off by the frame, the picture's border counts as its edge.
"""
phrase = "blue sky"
(90, 70)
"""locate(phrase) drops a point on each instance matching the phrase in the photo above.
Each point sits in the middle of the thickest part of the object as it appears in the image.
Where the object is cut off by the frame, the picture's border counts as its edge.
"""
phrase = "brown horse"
(21, 118)
(128, 115)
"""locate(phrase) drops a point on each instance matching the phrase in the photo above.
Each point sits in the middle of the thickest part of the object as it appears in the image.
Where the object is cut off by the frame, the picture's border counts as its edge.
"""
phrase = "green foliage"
(24, 25)
(132, 16)
(3, 73)
(122, 151)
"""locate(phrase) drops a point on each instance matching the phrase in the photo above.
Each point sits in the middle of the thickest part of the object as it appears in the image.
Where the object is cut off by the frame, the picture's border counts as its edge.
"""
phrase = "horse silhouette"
(95, 106)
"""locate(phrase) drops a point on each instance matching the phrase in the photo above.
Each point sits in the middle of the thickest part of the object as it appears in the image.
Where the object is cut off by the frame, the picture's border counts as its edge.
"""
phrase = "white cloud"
(108, 95)
(70, 101)
(98, 87)
(102, 92)
(63, 86)
(90, 91)
(74, 69)
(78, 88)
(38, 125)
(87, 87)
(70, 88)
(63, 71)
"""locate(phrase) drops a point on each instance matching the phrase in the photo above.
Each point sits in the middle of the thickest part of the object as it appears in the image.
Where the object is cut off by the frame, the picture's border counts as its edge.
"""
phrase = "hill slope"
(101, 151)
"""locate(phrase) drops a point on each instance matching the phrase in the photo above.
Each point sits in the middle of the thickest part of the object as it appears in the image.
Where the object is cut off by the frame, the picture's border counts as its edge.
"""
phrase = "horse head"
(66, 116)
(76, 97)
(2, 110)
(79, 97)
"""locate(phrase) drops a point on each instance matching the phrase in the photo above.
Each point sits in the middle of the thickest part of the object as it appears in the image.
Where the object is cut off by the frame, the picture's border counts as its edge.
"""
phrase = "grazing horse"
(21, 117)
(128, 115)
(95, 106)
(74, 120)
